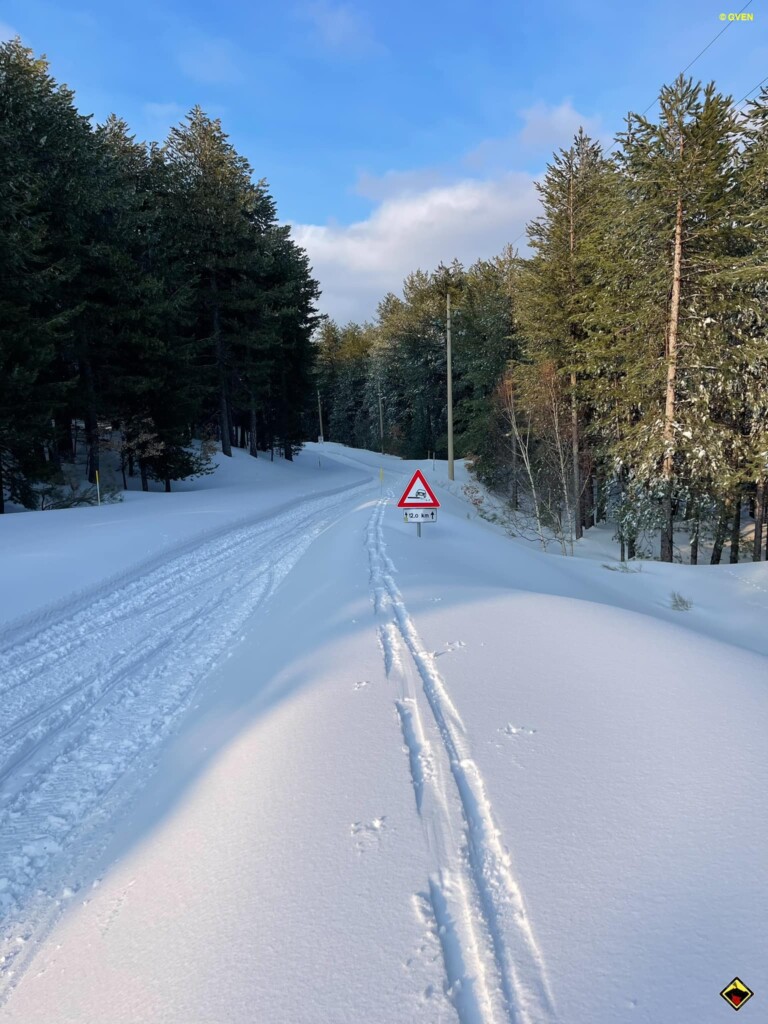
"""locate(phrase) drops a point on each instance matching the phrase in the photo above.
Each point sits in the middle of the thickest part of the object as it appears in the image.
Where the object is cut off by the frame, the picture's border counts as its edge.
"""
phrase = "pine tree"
(210, 203)
(485, 339)
(557, 296)
(413, 333)
(680, 180)
(292, 294)
(43, 155)
(752, 290)
(253, 306)
(154, 384)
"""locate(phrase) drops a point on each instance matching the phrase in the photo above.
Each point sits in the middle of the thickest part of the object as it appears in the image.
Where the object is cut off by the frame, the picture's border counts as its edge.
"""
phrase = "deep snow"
(267, 757)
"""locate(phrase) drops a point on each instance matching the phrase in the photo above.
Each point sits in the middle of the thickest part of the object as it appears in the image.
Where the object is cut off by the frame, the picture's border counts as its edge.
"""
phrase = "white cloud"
(6, 32)
(211, 61)
(550, 128)
(341, 28)
(397, 183)
(545, 129)
(357, 264)
(426, 216)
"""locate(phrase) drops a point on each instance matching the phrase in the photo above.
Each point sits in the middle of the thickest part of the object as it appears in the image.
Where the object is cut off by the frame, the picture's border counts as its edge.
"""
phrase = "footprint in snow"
(360, 684)
(450, 647)
(517, 730)
(368, 833)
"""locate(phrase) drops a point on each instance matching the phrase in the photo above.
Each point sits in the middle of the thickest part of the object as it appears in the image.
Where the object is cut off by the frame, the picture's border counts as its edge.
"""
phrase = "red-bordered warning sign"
(418, 494)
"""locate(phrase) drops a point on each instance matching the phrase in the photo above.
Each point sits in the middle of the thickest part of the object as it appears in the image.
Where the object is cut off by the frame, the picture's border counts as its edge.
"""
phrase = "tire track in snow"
(418, 750)
(504, 931)
(68, 655)
(75, 720)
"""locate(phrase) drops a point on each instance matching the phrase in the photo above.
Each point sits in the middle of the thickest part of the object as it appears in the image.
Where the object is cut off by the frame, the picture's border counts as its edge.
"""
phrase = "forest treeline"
(148, 294)
(149, 297)
(621, 369)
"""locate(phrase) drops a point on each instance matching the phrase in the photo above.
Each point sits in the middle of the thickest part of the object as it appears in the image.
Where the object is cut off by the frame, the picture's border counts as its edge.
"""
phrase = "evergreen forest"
(152, 306)
(617, 372)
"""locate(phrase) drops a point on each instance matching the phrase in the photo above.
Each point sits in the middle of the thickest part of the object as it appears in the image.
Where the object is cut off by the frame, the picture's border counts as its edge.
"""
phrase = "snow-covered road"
(312, 770)
(90, 696)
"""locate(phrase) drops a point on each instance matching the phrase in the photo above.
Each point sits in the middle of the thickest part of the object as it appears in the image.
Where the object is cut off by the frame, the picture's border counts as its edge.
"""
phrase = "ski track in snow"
(494, 970)
(93, 694)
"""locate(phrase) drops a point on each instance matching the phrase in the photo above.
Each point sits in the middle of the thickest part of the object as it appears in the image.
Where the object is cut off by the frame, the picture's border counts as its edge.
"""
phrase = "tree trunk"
(226, 447)
(562, 463)
(64, 440)
(92, 442)
(601, 502)
(144, 477)
(759, 520)
(253, 447)
(231, 422)
(589, 502)
(671, 392)
(167, 485)
(515, 497)
(54, 447)
(2, 487)
(288, 451)
(695, 531)
(719, 539)
(577, 511)
(91, 422)
(736, 533)
(521, 443)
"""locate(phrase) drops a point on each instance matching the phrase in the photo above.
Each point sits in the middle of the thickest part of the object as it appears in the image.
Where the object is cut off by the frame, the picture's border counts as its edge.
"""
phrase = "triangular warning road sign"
(418, 494)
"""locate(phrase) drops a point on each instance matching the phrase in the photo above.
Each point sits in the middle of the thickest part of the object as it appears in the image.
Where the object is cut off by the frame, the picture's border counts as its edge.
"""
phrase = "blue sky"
(393, 135)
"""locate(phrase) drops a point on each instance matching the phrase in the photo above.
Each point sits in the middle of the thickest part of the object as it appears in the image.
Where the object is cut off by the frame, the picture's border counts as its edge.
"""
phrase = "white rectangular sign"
(420, 515)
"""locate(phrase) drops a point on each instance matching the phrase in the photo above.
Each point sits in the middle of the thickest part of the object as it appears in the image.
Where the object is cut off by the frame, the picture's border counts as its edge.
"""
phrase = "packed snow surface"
(267, 757)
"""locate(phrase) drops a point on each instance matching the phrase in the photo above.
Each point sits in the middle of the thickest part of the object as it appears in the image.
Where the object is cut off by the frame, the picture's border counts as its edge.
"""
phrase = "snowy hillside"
(266, 756)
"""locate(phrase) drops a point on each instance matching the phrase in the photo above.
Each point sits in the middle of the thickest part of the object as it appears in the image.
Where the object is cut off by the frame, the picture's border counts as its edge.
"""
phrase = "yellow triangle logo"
(736, 993)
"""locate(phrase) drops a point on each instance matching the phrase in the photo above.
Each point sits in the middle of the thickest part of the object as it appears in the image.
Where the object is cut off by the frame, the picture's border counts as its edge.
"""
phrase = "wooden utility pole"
(450, 383)
(381, 423)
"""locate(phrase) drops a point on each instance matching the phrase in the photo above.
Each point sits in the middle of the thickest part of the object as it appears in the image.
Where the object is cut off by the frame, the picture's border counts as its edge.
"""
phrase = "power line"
(696, 142)
(701, 52)
(652, 103)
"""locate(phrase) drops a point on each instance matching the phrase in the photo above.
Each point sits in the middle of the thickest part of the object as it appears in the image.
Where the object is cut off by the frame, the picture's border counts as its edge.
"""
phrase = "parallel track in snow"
(85, 701)
(494, 970)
